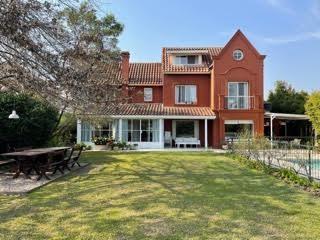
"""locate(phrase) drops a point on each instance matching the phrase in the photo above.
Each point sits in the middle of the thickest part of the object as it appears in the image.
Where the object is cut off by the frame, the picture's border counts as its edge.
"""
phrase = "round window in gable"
(237, 55)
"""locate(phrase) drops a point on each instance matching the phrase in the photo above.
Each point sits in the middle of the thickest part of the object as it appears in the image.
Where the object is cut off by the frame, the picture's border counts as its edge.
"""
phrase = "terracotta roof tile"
(157, 109)
(145, 73)
(207, 58)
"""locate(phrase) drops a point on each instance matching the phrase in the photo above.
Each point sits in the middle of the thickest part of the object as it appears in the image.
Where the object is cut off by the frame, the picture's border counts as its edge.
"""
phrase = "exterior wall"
(225, 70)
(202, 81)
(136, 94)
(250, 70)
(218, 133)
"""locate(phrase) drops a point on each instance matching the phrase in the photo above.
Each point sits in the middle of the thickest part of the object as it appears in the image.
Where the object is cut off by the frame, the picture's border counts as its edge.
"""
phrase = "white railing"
(239, 102)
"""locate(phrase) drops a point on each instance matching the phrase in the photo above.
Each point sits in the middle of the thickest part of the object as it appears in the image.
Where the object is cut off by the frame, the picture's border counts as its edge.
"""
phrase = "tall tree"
(67, 55)
(313, 110)
(285, 99)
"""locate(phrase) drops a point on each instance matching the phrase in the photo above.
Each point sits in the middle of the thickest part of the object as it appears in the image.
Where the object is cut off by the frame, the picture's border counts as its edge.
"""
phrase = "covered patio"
(288, 127)
(154, 126)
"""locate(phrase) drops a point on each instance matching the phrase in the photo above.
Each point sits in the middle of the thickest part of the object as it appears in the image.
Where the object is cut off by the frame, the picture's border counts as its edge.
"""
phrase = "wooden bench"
(6, 162)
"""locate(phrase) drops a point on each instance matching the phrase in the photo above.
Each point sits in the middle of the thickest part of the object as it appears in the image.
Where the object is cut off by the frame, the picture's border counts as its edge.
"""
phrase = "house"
(196, 95)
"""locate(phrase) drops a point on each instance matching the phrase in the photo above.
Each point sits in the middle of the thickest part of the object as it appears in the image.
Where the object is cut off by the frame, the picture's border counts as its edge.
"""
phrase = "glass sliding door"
(140, 130)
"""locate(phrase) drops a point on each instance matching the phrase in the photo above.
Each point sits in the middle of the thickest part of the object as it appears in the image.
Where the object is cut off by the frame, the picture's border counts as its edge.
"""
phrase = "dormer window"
(187, 59)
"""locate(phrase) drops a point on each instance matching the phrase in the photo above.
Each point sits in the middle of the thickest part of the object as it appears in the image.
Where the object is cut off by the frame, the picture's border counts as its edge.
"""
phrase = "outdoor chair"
(75, 158)
(67, 160)
(51, 163)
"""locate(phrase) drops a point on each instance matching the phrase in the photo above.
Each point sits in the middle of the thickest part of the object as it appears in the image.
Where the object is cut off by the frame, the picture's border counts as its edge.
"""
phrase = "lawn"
(162, 195)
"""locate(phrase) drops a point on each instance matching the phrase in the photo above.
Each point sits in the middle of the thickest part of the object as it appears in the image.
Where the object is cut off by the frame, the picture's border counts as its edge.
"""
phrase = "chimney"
(125, 56)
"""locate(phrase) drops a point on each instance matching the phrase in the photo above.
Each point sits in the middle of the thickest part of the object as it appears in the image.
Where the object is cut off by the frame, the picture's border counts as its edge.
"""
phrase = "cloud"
(280, 5)
(293, 38)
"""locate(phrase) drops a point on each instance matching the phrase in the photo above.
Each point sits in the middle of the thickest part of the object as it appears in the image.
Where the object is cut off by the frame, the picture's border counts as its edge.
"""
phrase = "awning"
(157, 110)
(286, 116)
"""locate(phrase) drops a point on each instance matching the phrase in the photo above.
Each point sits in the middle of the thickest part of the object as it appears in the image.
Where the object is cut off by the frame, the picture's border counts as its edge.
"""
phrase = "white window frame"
(238, 55)
(178, 62)
(149, 130)
(237, 96)
(148, 96)
(98, 131)
(177, 98)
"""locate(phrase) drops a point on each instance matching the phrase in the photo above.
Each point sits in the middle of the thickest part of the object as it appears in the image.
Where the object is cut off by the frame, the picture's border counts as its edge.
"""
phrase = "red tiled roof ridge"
(145, 63)
(196, 47)
(157, 109)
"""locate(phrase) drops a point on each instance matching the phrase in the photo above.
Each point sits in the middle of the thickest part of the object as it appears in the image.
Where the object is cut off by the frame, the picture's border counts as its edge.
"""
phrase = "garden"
(162, 195)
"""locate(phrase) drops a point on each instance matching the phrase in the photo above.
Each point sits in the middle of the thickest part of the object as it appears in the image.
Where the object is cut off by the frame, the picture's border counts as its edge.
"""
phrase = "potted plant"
(100, 143)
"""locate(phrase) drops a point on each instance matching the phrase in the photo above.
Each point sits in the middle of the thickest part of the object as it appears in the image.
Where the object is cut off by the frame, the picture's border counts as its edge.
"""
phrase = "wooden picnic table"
(31, 156)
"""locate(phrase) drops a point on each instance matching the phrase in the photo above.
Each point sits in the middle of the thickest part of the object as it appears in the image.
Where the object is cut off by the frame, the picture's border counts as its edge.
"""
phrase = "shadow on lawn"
(157, 195)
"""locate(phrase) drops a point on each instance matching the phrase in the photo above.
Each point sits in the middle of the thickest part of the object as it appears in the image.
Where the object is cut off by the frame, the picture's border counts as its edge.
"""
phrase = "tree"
(66, 55)
(35, 125)
(313, 109)
(285, 99)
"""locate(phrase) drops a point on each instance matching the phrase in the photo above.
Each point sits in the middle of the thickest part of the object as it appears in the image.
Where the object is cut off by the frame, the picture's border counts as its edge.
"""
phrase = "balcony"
(239, 102)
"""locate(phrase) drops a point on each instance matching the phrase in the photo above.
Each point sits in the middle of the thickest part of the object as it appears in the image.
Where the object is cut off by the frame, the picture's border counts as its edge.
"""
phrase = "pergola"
(283, 116)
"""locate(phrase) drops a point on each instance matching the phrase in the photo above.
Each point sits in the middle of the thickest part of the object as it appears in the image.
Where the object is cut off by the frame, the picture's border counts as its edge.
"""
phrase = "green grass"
(162, 195)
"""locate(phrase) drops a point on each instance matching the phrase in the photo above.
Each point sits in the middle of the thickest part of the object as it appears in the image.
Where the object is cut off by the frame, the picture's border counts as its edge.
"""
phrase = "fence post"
(309, 163)
(249, 151)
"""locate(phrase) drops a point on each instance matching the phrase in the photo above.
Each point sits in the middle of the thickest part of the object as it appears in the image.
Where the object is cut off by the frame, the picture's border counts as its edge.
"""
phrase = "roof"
(287, 116)
(207, 59)
(152, 73)
(145, 73)
(157, 109)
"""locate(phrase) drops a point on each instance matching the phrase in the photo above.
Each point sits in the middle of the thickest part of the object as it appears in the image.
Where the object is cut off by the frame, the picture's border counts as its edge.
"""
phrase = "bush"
(100, 140)
(78, 146)
(33, 128)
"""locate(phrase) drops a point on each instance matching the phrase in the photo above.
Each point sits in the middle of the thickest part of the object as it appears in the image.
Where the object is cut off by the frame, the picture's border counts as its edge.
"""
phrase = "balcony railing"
(238, 102)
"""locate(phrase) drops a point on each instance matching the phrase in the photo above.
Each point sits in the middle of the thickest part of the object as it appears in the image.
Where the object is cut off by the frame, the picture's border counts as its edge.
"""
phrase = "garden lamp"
(14, 114)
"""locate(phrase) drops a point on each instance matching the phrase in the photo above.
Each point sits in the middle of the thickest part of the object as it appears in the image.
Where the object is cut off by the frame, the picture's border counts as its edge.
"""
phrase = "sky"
(287, 31)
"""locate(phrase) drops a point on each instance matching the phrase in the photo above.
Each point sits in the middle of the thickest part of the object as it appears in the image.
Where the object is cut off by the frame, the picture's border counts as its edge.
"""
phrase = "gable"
(239, 41)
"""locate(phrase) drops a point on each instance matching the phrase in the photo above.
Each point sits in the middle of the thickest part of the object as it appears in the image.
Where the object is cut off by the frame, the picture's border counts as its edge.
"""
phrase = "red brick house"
(194, 96)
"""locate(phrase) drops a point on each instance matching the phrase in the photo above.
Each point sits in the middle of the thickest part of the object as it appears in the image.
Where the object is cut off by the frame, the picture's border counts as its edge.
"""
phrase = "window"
(187, 59)
(140, 130)
(103, 130)
(186, 94)
(85, 132)
(233, 128)
(147, 94)
(237, 55)
(237, 95)
(185, 129)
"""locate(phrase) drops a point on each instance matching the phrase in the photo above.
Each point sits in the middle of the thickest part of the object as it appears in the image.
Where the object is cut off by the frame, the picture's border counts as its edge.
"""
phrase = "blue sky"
(287, 31)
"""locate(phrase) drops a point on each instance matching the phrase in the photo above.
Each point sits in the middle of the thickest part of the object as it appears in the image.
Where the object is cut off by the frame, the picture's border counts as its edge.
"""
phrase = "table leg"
(18, 170)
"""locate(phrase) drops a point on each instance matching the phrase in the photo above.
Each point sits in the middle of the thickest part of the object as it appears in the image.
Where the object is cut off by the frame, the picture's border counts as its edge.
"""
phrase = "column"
(206, 133)
(114, 129)
(120, 130)
(78, 131)
(161, 132)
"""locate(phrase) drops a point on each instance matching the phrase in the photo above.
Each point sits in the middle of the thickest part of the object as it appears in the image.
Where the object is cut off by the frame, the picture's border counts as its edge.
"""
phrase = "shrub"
(83, 145)
(100, 140)
(35, 125)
